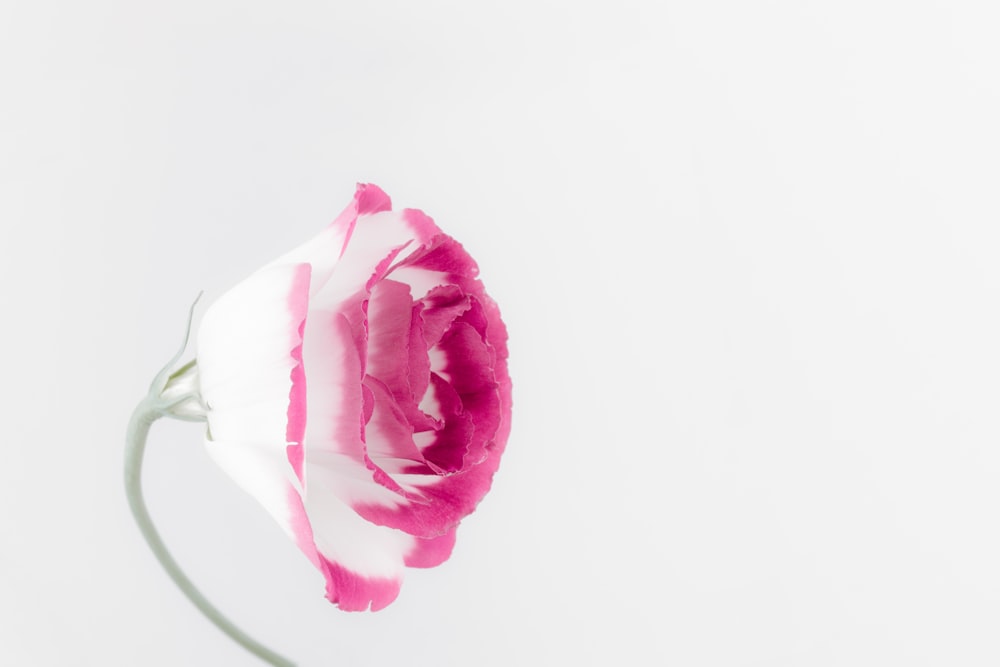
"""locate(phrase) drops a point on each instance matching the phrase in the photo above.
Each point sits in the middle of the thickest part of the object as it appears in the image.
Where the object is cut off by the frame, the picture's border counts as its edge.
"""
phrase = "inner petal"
(333, 380)
(390, 315)
(388, 436)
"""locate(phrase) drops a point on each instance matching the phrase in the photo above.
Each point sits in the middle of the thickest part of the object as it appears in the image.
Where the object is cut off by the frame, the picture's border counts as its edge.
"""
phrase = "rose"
(358, 388)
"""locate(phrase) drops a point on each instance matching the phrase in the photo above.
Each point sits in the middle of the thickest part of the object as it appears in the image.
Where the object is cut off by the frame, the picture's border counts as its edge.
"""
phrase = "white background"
(747, 253)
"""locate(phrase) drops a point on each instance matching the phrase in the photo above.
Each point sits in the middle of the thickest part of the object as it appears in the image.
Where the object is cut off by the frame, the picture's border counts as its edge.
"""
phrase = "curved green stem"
(174, 393)
(148, 411)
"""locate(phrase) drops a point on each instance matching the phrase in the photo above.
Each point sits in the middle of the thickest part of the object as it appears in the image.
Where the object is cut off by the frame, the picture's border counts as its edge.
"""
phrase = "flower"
(357, 387)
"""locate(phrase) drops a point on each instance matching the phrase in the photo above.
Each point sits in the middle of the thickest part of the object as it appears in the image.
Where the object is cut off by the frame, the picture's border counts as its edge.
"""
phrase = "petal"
(301, 529)
(468, 367)
(452, 497)
(370, 199)
(485, 398)
(363, 562)
(446, 448)
(418, 374)
(355, 592)
(390, 317)
(441, 306)
(432, 551)
(444, 261)
(247, 352)
(445, 255)
(325, 249)
(333, 377)
(377, 242)
(335, 340)
(441, 261)
(250, 373)
(400, 333)
(396, 352)
(262, 470)
(449, 499)
(388, 435)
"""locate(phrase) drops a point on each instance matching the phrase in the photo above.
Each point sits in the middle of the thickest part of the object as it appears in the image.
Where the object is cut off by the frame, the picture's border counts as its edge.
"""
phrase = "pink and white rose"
(357, 387)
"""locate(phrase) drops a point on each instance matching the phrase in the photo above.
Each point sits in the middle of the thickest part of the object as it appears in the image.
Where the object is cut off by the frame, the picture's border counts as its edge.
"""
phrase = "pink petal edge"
(298, 305)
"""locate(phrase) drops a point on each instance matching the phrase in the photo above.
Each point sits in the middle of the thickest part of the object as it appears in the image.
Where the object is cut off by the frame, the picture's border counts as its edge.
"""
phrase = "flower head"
(357, 387)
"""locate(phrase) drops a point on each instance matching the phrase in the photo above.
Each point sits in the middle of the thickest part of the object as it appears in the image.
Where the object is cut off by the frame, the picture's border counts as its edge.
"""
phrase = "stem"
(148, 411)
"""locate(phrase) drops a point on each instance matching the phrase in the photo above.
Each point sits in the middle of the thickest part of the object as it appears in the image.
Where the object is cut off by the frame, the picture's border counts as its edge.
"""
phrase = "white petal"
(379, 240)
(263, 471)
(340, 534)
(245, 355)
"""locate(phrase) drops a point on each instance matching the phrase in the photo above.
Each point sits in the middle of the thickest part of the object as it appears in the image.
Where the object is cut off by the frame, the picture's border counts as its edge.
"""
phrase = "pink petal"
(333, 378)
(324, 250)
(469, 392)
(441, 306)
(376, 242)
(388, 435)
(469, 369)
(432, 551)
(418, 374)
(355, 592)
(363, 563)
(301, 529)
(370, 199)
(446, 447)
(296, 428)
(449, 499)
(444, 262)
(390, 315)
(443, 257)
(396, 351)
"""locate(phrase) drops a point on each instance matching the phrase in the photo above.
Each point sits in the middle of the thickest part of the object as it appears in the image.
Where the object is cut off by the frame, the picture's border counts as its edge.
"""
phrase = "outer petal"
(377, 241)
(355, 592)
(250, 375)
(323, 251)
(363, 563)
(432, 551)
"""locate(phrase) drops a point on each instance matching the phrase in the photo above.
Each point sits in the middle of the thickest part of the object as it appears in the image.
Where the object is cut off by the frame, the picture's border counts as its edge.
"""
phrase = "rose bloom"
(357, 387)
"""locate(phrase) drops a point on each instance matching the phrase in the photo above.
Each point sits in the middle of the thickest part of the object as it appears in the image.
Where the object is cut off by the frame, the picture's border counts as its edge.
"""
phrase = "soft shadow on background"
(747, 253)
